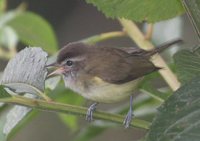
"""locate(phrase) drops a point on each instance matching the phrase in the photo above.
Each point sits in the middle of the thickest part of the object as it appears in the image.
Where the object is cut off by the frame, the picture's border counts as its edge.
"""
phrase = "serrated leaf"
(34, 30)
(139, 10)
(178, 118)
(187, 64)
(193, 10)
(26, 72)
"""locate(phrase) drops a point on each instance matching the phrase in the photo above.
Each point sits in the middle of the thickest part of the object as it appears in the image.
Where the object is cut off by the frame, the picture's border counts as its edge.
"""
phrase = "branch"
(104, 36)
(71, 109)
(135, 34)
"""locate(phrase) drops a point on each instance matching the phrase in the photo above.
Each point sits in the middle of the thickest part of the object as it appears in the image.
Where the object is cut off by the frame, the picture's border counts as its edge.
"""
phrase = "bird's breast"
(96, 89)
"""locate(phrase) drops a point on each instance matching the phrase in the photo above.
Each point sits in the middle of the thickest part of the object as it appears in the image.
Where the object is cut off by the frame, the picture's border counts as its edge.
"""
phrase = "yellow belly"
(101, 91)
(110, 93)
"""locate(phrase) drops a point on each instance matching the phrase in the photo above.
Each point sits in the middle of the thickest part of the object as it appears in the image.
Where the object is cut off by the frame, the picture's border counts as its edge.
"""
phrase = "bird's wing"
(117, 66)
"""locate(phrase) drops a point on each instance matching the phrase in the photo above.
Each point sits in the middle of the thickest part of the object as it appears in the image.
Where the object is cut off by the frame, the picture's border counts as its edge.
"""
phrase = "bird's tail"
(162, 47)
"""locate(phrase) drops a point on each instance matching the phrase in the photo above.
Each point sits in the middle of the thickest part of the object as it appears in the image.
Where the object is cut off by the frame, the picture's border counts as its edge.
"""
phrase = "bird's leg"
(129, 115)
(91, 109)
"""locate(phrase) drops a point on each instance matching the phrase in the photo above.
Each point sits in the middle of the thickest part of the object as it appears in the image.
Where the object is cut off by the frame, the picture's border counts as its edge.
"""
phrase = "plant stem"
(5, 54)
(149, 31)
(71, 109)
(135, 34)
(104, 36)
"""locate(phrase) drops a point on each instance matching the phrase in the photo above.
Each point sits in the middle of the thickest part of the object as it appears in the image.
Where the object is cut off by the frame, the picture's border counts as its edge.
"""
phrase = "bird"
(105, 74)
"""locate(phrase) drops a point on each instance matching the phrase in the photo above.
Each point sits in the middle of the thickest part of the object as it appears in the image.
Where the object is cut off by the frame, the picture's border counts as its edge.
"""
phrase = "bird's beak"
(59, 69)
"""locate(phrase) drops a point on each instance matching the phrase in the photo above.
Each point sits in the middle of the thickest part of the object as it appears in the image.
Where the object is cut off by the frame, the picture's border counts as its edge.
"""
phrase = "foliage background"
(74, 20)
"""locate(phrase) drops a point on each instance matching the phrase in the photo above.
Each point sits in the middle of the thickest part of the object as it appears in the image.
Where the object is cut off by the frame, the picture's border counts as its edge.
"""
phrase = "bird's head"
(71, 59)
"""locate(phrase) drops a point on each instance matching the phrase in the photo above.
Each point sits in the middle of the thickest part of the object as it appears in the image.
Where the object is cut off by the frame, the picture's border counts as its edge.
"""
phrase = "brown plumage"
(113, 65)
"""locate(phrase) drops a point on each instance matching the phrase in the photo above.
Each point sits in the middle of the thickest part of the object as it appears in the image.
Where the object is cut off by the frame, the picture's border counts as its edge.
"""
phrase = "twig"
(149, 32)
(71, 109)
(104, 36)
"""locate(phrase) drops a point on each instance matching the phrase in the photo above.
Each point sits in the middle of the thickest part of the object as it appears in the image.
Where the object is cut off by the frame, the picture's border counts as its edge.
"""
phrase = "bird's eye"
(69, 63)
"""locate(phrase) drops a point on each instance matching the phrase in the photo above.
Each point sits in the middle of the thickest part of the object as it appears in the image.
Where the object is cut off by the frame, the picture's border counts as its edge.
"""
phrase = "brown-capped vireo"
(104, 74)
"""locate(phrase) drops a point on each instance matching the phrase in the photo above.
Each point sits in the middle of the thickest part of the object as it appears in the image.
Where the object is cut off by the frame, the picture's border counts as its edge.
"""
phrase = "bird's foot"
(128, 119)
(91, 109)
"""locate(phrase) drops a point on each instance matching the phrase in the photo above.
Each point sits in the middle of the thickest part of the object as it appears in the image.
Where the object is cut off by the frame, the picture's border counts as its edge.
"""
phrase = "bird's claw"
(91, 109)
(128, 119)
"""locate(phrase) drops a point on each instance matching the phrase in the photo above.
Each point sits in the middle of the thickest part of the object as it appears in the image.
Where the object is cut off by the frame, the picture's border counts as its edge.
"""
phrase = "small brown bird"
(104, 74)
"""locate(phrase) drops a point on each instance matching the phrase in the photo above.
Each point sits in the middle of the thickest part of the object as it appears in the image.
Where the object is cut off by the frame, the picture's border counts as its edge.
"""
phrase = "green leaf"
(178, 118)
(139, 10)
(70, 121)
(187, 64)
(193, 10)
(3, 92)
(35, 31)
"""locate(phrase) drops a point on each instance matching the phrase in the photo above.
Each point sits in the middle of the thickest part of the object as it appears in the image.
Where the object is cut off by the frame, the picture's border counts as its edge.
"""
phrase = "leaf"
(139, 10)
(3, 92)
(70, 121)
(34, 30)
(16, 116)
(187, 64)
(22, 123)
(26, 72)
(178, 118)
(13, 117)
(192, 8)
(3, 114)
